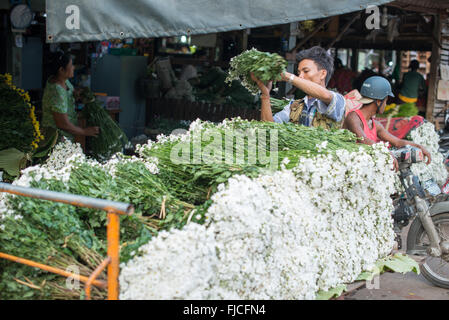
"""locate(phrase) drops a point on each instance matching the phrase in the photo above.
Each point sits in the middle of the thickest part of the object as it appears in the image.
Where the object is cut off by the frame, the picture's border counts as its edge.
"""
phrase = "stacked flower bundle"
(111, 138)
(426, 136)
(283, 235)
(20, 128)
(265, 66)
(66, 236)
(311, 212)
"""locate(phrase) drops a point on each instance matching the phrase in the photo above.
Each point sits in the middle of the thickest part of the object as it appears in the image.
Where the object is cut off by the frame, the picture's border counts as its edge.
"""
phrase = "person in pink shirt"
(375, 91)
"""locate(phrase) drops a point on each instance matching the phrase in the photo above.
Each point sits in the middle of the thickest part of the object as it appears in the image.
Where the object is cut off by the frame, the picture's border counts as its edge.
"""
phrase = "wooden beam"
(401, 45)
(332, 28)
(415, 8)
(431, 92)
(304, 40)
(345, 28)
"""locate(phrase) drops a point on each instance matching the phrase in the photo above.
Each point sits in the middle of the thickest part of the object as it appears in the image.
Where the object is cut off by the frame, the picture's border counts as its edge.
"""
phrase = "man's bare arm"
(309, 87)
(355, 125)
(265, 111)
(384, 135)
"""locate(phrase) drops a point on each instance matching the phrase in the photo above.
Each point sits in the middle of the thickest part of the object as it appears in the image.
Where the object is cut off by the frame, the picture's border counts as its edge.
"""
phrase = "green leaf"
(399, 263)
(366, 275)
(11, 160)
(43, 151)
(335, 292)
(29, 294)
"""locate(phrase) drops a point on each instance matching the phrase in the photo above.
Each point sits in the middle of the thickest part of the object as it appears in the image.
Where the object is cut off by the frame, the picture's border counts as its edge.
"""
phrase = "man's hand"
(395, 163)
(264, 89)
(285, 76)
(426, 154)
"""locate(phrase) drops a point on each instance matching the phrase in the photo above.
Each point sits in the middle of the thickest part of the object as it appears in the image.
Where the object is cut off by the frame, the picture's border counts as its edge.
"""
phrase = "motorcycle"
(428, 208)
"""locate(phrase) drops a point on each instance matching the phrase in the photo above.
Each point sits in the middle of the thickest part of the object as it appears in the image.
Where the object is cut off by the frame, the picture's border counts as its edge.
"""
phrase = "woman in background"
(59, 119)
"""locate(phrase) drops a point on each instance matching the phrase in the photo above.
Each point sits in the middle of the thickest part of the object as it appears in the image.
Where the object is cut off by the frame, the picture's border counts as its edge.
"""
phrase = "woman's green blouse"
(57, 99)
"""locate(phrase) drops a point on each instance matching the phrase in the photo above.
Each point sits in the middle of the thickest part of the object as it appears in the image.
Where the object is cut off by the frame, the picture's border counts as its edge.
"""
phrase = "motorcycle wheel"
(434, 269)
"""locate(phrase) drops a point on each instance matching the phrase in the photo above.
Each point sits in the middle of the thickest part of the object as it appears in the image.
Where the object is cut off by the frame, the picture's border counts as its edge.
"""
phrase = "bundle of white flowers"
(58, 166)
(67, 155)
(426, 136)
(119, 158)
(5, 210)
(284, 235)
(62, 153)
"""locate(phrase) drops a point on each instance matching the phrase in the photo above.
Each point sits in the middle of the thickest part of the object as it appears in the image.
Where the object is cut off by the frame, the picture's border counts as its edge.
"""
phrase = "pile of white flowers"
(426, 136)
(64, 157)
(6, 211)
(67, 155)
(119, 158)
(58, 166)
(284, 235)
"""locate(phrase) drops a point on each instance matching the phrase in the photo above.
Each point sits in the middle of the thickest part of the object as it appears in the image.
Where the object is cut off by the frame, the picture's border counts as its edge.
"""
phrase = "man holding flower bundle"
(320, 107)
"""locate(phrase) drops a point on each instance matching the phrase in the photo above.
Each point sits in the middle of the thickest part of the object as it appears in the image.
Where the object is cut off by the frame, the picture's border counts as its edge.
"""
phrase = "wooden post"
(431, 92)
(245, 39)
(355, 59)
(293, 33)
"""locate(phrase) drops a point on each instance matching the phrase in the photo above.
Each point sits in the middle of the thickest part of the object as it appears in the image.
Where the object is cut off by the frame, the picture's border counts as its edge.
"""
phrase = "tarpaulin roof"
(88, 20)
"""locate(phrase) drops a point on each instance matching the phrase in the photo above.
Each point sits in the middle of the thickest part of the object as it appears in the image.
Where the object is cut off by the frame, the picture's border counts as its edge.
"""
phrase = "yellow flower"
(390, 106)
(26, 97)
(8, 79)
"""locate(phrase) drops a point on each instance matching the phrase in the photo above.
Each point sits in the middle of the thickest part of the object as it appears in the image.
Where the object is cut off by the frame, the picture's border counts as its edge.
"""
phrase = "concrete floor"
(397, 286)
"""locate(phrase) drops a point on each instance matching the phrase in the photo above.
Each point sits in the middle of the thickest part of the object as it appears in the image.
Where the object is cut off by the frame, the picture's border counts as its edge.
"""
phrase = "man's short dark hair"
(414, 65)
(322, 59)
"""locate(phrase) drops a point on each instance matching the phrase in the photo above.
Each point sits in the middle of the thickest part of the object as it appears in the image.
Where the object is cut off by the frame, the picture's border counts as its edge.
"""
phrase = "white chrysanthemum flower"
(160, 273)
(426, 136)
(150, 163)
